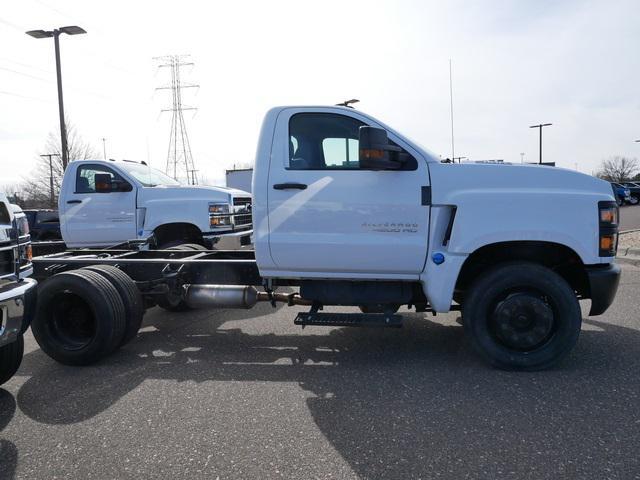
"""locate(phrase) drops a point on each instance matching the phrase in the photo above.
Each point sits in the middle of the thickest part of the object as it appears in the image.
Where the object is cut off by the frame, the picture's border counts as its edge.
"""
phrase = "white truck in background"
(353, 213)
(105, 203)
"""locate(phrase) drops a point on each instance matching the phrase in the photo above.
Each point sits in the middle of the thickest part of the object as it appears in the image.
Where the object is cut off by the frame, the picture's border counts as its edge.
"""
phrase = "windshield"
(147, 176)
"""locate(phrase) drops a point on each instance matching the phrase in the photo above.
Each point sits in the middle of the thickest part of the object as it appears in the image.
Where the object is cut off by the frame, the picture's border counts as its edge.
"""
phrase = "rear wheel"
(80, 317)
(130, 295)
(10, 359)
(522, 316)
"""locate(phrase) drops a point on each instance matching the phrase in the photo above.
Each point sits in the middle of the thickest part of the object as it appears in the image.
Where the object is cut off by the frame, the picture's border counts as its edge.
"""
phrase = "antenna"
(180, 163)
(453, 150)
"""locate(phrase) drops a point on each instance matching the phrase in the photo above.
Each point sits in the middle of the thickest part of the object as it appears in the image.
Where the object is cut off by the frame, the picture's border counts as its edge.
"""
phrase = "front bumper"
(603, 285)
(228, 241)
(17, 307)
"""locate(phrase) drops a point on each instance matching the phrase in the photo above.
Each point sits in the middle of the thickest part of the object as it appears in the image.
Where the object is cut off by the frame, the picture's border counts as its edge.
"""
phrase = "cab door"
(329, 216)
(99, 216)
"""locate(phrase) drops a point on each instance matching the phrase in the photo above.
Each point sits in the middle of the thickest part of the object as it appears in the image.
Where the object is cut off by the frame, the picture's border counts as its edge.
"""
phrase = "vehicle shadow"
(407, 403)
(8, 451)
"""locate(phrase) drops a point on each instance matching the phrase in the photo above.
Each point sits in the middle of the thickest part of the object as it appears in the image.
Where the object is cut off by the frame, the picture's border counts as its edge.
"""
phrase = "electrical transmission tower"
(180, 163)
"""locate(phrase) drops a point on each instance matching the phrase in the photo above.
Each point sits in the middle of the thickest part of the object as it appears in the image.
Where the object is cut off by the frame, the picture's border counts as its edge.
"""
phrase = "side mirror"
(120, 186)
(103, 183)
(375, 150)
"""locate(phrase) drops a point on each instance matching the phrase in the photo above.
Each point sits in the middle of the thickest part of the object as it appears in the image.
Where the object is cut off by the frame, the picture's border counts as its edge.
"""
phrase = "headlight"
(220, 221)
(608, 235)
(23, 226)
(219, 215)
(608, 215)
(218, 208)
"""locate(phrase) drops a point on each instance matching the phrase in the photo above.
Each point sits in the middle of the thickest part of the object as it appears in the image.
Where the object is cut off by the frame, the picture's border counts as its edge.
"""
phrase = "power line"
(26, 65)
(11, 94)
(180, 164)
(41, 79)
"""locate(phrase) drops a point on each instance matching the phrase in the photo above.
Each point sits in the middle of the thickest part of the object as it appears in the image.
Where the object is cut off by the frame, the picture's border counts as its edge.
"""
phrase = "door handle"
(74, 201)
(289, 186)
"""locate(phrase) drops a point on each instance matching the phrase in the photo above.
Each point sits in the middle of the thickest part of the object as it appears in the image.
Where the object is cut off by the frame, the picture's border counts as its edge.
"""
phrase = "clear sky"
(515, 63)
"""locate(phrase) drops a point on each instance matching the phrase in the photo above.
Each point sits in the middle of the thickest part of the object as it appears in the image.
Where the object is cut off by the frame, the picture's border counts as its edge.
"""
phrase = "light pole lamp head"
(39, 34)
(72, 30)
(69, 30)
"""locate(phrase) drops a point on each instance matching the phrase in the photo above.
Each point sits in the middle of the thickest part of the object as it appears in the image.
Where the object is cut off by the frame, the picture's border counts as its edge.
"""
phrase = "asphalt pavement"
(629, 217)
(247, 395)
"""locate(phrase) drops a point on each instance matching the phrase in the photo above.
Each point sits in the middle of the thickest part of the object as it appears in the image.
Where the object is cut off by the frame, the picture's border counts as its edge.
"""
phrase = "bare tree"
(618, 169)
(36, 188)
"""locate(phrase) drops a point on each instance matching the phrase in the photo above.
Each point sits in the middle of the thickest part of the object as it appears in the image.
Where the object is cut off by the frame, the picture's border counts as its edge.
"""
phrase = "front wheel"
(634, 200)
(10, 359)
(521, 316)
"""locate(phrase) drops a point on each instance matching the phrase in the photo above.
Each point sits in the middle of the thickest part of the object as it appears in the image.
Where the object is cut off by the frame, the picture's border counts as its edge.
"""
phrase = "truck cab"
(104, 203)
(343, 202)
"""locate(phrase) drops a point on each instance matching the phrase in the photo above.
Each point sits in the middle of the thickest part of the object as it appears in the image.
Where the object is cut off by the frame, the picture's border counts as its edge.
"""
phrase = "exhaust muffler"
(234, 296)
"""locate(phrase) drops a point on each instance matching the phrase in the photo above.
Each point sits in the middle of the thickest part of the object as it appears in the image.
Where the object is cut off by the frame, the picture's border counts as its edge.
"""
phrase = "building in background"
(239, 178)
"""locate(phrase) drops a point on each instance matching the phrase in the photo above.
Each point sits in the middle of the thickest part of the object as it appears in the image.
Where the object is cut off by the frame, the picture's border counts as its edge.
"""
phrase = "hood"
(195, 192)
(450, 180)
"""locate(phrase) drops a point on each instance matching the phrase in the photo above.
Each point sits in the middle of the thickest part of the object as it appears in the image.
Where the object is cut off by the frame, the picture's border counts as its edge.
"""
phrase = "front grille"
(242, 219)
(6, 262)
(242, 216)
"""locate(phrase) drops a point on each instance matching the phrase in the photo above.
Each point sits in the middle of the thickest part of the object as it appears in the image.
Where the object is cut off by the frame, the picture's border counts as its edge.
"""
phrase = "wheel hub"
(522, 321)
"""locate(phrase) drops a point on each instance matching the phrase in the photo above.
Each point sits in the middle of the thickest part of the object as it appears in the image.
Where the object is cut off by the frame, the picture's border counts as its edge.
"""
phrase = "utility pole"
(104, 147)
(70, 30)
(51, 193)
(540, 126)
(180, 162)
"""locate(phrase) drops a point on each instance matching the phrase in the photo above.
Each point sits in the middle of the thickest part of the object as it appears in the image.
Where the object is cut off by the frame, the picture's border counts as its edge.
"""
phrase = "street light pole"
(540, 127)
(63, 127)
(55, 33)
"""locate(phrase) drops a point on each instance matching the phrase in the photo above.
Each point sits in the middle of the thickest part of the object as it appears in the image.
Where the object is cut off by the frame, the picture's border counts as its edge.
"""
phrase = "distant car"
(623, 194)
(44, 225)
(634, 189)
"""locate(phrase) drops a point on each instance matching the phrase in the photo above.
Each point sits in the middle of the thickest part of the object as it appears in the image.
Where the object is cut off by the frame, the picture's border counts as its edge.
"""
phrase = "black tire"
(80, 317)
(634, 200)
(172, 302)
(130, 295)
(11, 358)
(521, 316)
(619, 201)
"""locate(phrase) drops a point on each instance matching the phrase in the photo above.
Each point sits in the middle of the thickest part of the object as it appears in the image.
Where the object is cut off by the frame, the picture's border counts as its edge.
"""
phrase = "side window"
(86, 177)
(328, 141)
(323, 141)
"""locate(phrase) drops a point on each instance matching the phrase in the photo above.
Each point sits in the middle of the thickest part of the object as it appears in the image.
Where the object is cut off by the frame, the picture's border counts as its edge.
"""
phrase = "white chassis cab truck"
(348, 211)
(105, 203)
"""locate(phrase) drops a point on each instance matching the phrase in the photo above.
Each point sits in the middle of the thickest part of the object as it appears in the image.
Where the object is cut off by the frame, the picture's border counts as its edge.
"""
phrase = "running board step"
(348, 319)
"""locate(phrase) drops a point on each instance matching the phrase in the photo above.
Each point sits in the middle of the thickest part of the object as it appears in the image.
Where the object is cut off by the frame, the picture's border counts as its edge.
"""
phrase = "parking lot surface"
(246, 394)
(629, 217)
